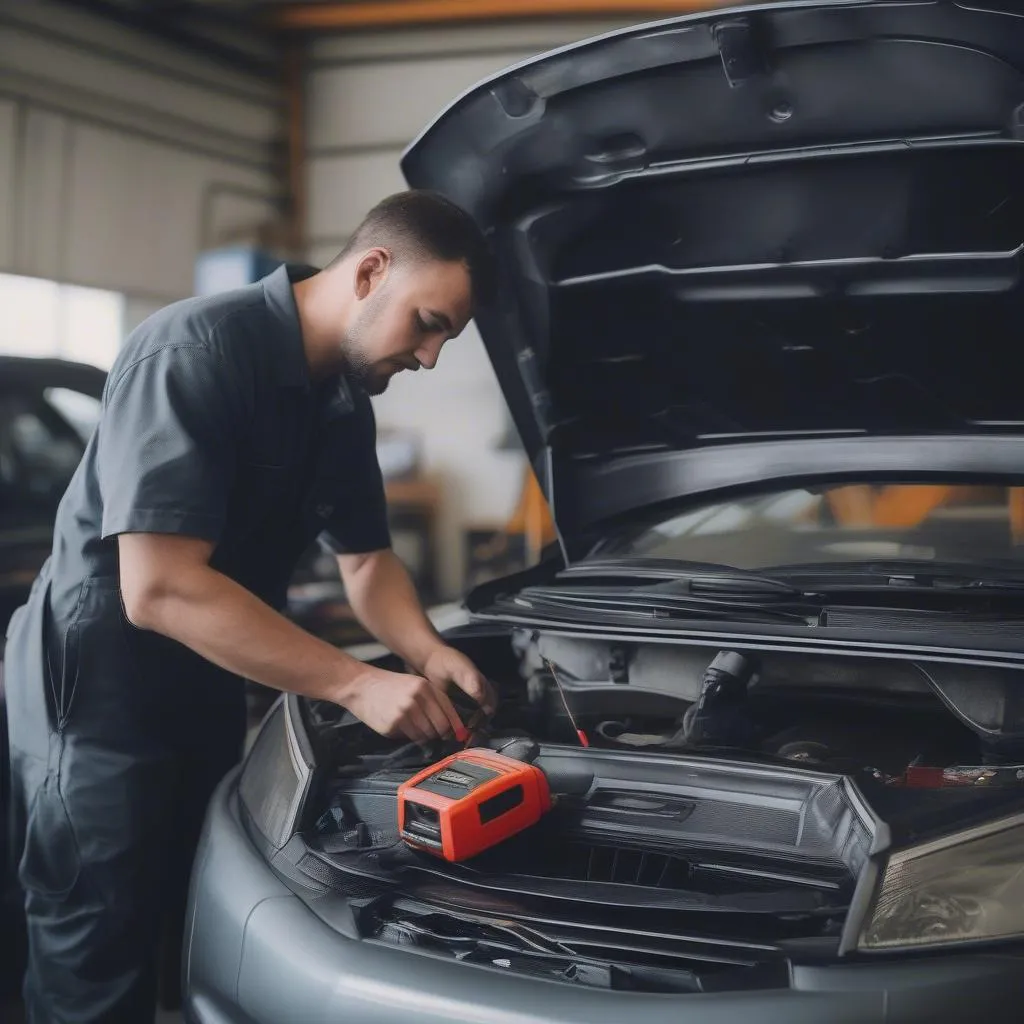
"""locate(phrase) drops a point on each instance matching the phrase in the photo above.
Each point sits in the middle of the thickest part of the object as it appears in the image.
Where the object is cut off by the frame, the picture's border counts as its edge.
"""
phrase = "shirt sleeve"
(359, 522)
(166, 445)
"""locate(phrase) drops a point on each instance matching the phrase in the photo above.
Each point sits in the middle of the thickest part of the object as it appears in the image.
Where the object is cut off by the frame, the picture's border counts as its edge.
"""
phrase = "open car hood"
(771, 243)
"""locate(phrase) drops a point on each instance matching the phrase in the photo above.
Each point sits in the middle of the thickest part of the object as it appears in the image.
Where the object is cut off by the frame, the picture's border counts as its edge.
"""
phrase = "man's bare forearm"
(384, 600)
(226, 624)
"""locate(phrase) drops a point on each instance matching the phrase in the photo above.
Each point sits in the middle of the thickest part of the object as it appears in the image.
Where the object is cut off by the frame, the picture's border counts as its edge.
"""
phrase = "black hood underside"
(789, 232)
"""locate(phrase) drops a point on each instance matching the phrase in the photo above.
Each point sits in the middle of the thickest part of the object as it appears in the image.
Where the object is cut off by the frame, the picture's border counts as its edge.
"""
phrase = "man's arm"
(376, 583)
(384, 600)
(168, 586)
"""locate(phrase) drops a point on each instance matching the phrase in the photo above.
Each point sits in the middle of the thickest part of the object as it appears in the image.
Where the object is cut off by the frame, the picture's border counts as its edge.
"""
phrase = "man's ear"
(371, 270)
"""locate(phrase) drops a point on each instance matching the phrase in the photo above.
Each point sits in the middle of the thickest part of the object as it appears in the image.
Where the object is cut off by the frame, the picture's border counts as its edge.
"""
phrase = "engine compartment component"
(886, 722)
(721, 714)
(860, 715)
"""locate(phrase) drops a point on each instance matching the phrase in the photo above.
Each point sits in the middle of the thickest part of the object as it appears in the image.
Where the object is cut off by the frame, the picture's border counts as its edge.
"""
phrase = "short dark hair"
(419, 224)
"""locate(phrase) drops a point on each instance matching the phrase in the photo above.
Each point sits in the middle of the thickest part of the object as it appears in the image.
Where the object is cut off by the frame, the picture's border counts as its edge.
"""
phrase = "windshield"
(837, 524)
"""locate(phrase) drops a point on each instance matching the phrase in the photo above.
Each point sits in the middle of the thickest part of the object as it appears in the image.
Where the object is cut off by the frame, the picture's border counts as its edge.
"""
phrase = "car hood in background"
(771, 243)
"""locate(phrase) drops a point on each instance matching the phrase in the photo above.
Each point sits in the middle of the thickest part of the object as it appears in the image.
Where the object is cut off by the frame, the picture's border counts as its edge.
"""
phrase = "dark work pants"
(111, 774)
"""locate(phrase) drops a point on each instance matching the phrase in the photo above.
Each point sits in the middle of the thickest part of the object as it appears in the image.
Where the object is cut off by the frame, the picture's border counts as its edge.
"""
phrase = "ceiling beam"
(364, 14)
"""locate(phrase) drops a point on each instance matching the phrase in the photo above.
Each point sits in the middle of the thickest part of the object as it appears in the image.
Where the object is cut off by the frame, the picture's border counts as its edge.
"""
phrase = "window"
(45, 318)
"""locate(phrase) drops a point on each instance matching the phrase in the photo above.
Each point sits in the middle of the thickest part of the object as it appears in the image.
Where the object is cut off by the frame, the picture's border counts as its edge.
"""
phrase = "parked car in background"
(758, 322)
(48, 410)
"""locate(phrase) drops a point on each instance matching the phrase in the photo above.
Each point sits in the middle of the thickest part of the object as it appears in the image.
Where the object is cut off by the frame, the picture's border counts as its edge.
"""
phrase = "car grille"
(617, 865)
(592, 955)
(592, 863)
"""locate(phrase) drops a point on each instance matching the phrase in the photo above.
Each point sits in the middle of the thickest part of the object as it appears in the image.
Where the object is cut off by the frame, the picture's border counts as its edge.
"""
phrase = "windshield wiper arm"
(602, 589)
(695, 578)
(659, 601)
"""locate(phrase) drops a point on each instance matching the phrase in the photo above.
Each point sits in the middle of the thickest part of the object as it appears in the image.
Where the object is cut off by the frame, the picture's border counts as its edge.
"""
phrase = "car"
(48, 410)
(757, 316)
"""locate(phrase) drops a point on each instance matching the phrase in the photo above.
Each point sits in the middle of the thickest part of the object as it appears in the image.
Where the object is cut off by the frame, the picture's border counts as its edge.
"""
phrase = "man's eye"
(422, 325)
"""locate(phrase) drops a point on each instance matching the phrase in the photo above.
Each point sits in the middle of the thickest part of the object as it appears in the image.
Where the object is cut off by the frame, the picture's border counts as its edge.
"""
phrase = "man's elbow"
(155, 575)
(144, 602)
(356, 568)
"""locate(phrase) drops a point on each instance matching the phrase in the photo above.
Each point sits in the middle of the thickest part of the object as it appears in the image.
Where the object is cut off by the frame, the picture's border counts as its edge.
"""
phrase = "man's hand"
(381, 594)
(394, 704)
(446, 665)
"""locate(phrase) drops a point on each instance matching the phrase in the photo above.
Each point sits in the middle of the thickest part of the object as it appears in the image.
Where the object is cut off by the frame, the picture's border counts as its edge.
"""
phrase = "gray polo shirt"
(212, 428)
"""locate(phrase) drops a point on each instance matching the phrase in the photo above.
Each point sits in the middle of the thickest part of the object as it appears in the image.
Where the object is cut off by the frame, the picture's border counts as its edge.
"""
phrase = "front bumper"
(256, 954)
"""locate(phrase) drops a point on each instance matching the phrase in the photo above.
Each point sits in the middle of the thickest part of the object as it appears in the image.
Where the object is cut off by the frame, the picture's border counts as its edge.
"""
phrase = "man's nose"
(428, 354)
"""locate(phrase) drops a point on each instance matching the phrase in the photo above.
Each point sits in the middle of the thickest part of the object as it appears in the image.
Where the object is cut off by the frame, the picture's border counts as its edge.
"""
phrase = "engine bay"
(890, 721)
(716, 808)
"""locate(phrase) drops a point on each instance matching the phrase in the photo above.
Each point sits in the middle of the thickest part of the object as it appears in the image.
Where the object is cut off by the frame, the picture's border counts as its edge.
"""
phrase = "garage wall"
(122, 157)
(368, 96)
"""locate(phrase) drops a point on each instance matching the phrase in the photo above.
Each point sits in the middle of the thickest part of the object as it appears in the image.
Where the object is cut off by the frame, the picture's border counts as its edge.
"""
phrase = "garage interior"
(155, 150)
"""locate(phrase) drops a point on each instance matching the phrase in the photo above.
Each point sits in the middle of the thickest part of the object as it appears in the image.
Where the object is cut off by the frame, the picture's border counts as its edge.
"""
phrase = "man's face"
(405, 315)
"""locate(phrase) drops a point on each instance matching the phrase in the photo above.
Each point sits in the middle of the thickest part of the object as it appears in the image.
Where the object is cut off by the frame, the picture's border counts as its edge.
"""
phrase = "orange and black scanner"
(469, 802)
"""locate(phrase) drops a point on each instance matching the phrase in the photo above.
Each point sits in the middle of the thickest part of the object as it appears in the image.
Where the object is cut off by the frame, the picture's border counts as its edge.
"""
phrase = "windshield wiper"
(683, 598)
(690, 577)
(662, 591)
(904, 575)
(803, 581)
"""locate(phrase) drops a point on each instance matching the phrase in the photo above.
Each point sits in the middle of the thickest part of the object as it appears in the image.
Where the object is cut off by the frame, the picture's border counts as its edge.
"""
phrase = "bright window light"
(30, 325)
(92, 325)
(46, 318)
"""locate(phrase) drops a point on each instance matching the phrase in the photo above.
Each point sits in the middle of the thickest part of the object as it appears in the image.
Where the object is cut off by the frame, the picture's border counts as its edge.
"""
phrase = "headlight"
(961, 888)
(277, 774)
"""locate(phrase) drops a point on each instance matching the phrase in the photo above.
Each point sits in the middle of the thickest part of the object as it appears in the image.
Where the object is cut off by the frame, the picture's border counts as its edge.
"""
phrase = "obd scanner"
(469, 802)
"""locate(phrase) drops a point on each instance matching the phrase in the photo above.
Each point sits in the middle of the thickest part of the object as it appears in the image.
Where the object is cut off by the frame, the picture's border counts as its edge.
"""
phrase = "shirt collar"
(280, 299)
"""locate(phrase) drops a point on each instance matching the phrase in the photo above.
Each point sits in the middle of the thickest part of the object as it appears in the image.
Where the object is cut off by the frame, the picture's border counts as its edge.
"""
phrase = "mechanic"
(235, 430)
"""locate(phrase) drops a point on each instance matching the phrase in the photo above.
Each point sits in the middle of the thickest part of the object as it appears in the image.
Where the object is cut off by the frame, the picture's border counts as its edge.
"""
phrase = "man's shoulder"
(208, 323)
